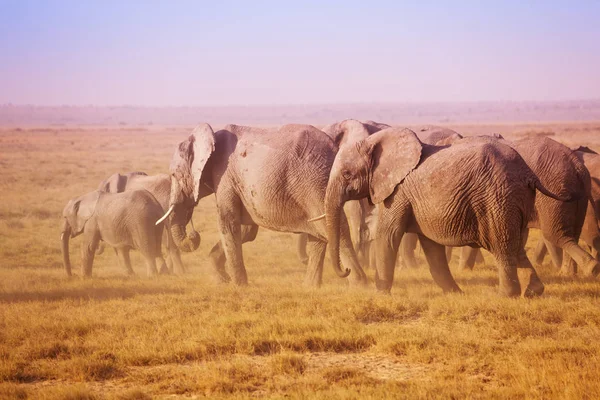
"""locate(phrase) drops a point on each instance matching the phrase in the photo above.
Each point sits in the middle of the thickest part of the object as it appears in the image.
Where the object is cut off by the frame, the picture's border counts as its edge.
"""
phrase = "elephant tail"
(542, 189)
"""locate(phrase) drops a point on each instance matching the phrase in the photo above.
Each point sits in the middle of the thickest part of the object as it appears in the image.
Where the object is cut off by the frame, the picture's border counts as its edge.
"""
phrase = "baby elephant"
(123, 220)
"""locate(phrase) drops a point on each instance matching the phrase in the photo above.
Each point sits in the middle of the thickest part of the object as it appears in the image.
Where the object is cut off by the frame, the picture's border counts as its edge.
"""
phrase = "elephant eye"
(346, 174)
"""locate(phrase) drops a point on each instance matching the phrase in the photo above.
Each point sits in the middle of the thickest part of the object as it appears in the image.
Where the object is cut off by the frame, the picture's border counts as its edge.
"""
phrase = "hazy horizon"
(160, 54)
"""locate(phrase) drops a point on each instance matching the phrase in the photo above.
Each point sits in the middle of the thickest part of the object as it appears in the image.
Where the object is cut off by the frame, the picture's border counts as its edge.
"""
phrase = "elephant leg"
(217, 258)
(386, 252)
(150, 265)
(448, 251)
(540, 252)
(315, 249)
(230, 230)
(408, 245)
(555, 252)
(174, 262)
(435, 254)
(588, 264)
(468, 255)
(301, 243)
(528, 276)
(507, 273)
(568, 267)
(126, 261)
(88, 251)
(164, 270)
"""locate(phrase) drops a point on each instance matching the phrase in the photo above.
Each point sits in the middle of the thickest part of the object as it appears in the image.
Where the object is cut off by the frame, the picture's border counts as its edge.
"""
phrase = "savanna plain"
(185, 336)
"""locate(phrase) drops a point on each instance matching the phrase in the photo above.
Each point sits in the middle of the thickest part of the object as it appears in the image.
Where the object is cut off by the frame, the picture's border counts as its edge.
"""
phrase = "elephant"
(346, 133)
(590, 233)
(123, 220)
(561, 223)
(160, 187)
(479, 194)
(271, 178)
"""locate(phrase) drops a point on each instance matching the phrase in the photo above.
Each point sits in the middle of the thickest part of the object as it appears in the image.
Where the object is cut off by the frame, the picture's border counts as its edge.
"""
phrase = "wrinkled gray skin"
(123, 220)
(421, 189)
(561, 223)
(160, 187)
(590, 233)
(270, 178)
(435, 136)
(345, 133)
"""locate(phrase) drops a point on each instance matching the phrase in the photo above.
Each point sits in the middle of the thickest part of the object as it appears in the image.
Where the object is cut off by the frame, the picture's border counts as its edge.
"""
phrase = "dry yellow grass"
(137, 338)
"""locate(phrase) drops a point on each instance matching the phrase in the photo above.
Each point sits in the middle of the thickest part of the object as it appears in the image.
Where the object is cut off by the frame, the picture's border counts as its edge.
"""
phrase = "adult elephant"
(590, 233)
(160, 187)
(561, 223)
(346, 133)
(270, 178)
(422, 190)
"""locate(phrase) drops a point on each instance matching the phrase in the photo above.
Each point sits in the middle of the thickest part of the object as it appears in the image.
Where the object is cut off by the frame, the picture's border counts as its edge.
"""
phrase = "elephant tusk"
(317, 218)
(192, 224)
(166, 215)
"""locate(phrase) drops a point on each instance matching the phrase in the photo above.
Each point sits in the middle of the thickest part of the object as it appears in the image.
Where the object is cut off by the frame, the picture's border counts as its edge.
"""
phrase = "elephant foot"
(570, 271)
(453, 289)
(222, 278)
(534, 289)
(592, 268)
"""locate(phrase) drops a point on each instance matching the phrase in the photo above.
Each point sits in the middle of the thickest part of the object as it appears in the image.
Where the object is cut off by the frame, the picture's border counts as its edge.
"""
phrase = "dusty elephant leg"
(88, 251)
(467, 258)
(555, 252)
(217, 258)
(528, 276)
(126, 261)
(151, 270)
(301, 243)
(448, 252)
(507, 272)
(568, 267)
(231, 241)
(173, 255)
(386, 252)
(438, 264)
(408, 245)
(588, 264)
(315, 249)
(164, 270)
(540, 252)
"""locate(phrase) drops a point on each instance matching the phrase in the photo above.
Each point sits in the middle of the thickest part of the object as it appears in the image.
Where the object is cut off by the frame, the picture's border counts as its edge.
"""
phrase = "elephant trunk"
(333, 212)
(186, 243)
(64, 239)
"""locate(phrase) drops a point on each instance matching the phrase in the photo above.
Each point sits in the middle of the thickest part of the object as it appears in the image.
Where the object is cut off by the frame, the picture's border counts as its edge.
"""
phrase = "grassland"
(138, 338)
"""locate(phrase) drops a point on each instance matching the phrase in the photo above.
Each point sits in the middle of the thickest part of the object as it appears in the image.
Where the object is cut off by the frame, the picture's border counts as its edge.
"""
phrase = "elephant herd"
(359, 187)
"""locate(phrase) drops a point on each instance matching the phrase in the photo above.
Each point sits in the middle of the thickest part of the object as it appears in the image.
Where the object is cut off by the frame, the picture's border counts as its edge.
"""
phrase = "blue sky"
(172, 53)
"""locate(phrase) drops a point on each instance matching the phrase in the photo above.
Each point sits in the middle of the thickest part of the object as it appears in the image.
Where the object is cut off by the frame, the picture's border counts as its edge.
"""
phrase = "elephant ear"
(78, 211)
(190, 158)
(394, 153)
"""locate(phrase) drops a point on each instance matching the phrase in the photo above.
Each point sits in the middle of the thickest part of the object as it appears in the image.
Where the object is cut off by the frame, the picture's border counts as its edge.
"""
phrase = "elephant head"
(372, 168)
(438, 136)
(186, 169)
(348, 131)
(76, 214)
